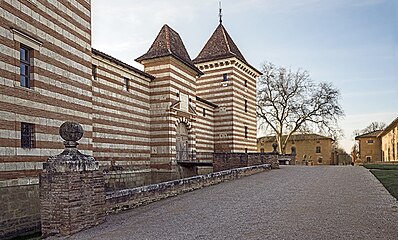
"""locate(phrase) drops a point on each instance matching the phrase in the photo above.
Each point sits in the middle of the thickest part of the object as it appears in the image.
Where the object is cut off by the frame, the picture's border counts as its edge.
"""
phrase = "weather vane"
(220, 13)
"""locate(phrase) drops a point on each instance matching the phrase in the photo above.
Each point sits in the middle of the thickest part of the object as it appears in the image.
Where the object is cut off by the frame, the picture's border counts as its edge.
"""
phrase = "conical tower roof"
(220, 45)
(169, 43)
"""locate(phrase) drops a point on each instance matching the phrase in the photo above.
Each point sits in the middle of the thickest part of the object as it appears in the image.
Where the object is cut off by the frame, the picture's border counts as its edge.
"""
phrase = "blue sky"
(351, 43)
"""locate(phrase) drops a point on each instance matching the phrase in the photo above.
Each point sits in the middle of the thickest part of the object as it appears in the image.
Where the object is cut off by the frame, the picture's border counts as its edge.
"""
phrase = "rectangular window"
(27, 135)
(204, 112)
(94, 71)
(370, 141)
(318, 150)
(245, 83)
(225, 77)
(245, 150)
(245, 131)
(127, 84)
(245, 105)
(24, 66)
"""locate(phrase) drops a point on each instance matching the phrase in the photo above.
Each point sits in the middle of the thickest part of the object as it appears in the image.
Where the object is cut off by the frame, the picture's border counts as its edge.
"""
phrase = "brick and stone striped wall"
(230, 118)
(58, 34)
(173, 82)
(121, 122)
(205, 130)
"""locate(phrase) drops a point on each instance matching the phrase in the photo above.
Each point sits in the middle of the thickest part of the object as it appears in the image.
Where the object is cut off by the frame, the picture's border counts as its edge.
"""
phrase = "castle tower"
(229, 81)
(172, 103)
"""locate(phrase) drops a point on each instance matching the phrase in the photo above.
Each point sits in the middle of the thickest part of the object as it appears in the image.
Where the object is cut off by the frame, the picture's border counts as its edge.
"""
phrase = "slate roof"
(118, 62)
(169, 43)
(296, 137)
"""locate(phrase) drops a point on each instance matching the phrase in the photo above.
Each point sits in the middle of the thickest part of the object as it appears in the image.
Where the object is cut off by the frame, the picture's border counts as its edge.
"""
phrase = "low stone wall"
(122, 179)
(225, 161)
(19, 207)
(131, 198)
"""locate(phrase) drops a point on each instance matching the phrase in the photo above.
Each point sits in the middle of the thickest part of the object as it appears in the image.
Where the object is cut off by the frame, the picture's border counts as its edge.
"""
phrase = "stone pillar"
(72, 192)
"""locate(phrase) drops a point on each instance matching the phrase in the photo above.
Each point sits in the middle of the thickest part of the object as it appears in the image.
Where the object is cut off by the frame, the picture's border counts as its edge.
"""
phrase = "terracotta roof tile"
(369, 134)
(296, 137)
(220, 46)
(169, 43)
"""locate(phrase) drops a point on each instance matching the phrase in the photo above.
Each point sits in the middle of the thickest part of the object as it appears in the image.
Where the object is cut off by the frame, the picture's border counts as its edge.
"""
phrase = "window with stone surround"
(318, 149)
(28, 46)
(24, 66)
(27, 135)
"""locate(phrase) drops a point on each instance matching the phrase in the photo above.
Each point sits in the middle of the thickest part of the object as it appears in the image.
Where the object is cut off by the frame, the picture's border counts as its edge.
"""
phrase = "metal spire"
(220, 12)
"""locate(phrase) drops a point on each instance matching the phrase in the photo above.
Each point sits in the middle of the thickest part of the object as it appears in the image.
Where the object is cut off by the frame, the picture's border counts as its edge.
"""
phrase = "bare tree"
(355, 152)
(374, 126)
(289, 102)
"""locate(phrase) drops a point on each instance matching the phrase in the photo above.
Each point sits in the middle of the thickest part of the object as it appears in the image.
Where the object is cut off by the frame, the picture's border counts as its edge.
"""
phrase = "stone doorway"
(182, 146)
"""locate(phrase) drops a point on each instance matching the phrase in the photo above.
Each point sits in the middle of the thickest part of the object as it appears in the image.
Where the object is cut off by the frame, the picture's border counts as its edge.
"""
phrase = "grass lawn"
(382, 166)
(387, 175)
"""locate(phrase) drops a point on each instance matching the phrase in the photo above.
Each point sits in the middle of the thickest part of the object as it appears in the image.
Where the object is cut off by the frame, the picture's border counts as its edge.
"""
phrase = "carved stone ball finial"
(71, 132)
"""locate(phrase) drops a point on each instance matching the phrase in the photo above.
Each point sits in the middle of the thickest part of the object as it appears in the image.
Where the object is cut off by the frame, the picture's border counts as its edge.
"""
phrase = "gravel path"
(290, 203)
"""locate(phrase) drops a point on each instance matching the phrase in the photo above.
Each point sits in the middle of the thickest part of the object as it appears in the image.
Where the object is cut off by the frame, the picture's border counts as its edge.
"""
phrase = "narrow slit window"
(245, 105)
(225, 77)
(246, 131)
(94, 71)
(204, 112)
(127, 84)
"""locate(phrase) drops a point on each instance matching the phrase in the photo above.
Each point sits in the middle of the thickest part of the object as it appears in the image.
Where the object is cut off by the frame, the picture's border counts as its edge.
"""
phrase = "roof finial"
(220, 13)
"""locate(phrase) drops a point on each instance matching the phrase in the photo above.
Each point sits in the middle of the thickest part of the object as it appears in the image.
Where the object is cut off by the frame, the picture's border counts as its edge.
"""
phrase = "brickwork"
(130, 117)
(121, 114)
(205, 127)
(71, 188)
(71, 202)
(20, 211)
(120, 179)
(229, 82)
(58, 36)
(131, 198)
(224, 161)
(312, 148)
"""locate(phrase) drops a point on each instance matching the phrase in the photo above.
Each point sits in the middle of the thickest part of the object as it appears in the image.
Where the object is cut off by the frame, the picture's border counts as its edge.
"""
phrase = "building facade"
(369, 147)
(140, 125)
(389, 142)
(310, 149)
